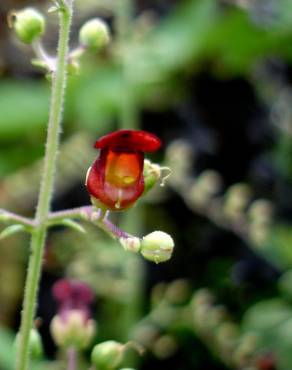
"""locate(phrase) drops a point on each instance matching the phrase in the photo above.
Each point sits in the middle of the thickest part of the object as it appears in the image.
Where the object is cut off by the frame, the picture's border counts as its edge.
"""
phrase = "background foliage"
(217, 76)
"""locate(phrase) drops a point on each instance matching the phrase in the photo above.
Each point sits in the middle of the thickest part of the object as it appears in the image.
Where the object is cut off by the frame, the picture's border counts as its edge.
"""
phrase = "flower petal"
(130, 140)
(116, 178)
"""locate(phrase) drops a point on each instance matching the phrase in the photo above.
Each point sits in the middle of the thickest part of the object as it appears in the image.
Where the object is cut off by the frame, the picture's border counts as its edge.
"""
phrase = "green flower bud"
(261, 211)
(178, 292)
(73, 330)
(107, 355)
(29, 24)
(35, 344)
(94, 34)
(236, 200)
(246, 348)
(157, 246)
(165, 346)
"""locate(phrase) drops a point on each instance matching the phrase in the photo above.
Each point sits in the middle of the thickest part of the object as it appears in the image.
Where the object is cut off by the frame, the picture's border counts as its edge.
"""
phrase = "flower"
(116, 177)
(72, 326)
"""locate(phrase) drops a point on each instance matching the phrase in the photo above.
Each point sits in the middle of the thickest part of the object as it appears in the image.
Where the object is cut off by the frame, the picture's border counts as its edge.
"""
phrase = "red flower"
(72, 295)
(116, 177)
(72, 326)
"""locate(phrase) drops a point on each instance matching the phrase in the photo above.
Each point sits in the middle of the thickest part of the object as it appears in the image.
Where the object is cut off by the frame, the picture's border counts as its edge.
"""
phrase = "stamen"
(120, 195)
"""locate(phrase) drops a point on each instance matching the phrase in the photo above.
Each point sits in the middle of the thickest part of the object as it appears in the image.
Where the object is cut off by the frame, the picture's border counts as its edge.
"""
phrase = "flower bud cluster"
(168, 308)
(211, 321)
(29, 26)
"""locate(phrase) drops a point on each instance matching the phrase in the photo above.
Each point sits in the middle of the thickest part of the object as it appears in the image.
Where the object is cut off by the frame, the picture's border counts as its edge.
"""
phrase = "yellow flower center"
(122, 169)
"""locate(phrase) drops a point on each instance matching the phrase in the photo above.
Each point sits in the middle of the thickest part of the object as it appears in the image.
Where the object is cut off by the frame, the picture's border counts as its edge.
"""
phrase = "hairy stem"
(9, 217)
(46, 191)
(128, 115)
(71, 358)
(91, 214)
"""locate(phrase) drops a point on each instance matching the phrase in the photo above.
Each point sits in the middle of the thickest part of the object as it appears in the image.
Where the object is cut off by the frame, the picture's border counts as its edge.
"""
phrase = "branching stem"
(46, 190)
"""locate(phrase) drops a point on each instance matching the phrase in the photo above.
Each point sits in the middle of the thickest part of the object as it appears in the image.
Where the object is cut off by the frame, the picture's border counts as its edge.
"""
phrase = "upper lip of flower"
(129, 140)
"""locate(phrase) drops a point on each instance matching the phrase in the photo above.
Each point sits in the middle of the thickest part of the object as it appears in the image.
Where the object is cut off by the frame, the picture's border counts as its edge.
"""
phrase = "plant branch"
(90, 214)
(10, 217)
(42, 55)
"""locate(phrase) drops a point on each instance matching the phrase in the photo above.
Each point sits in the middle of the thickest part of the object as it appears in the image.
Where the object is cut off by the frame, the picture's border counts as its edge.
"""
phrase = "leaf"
(10, 230)
(6, 350)
(73, 225)
(271, 320)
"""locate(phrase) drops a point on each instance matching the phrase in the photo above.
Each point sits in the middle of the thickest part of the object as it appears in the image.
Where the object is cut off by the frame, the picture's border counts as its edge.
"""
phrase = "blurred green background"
(213, 79)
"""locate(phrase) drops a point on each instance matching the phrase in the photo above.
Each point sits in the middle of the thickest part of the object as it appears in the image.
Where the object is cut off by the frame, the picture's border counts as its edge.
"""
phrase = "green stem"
(46, 190)
(129, 113)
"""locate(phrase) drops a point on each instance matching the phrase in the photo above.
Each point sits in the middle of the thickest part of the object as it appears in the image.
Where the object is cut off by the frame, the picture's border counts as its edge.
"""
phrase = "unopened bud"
(261, 211)
(258, 233)
(236, 200)
(207, 184)
(107, 355)
(246, 348)
(157, 246)
(131, 244)
(202, 297)
(94, 34)
(35, 344)
(178, 292)
(72, 330)
(165, 346)
(227, 334)
(29, 24)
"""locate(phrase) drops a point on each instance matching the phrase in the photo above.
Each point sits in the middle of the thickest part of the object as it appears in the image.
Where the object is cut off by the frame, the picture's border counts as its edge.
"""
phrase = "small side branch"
(90, 214)
(10, 217)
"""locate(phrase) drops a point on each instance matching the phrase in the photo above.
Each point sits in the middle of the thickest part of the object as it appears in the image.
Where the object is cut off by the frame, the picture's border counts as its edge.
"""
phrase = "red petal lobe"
(129, 140)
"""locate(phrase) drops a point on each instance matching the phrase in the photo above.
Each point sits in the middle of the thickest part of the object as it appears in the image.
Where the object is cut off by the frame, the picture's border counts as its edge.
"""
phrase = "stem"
(9, 217)
(91, 214)
(46, 191)
(42, 55)
(129, 113)
(72, 358)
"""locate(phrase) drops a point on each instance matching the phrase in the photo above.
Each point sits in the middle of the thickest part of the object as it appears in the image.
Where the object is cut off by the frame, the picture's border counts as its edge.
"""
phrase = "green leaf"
(10, 230)
(272, 321)
(7, 354)
(32, 101)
